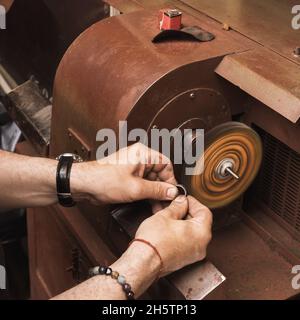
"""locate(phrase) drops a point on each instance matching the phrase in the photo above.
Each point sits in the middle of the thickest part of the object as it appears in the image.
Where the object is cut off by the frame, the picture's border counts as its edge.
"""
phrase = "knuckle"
(205, 237)
(171, 211)
(209, 215)
(167, 211)
(158, 190)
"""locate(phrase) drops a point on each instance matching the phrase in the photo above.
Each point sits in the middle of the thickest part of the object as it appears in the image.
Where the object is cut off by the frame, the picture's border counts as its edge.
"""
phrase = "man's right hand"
(179, 242)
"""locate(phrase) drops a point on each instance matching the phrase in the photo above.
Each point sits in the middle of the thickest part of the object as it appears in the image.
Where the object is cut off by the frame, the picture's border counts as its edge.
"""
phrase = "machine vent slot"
(278, 184)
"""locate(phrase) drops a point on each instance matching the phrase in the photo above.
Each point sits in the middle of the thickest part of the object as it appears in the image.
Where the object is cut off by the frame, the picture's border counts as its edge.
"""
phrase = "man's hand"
(179, 242)
(132, 174)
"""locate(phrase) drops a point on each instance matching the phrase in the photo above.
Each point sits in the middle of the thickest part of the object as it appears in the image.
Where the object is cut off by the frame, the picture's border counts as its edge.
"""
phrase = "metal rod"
(228, 170)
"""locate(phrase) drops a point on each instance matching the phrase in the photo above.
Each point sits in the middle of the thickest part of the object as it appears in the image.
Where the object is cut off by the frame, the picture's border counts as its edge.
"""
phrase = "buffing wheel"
(232, 158)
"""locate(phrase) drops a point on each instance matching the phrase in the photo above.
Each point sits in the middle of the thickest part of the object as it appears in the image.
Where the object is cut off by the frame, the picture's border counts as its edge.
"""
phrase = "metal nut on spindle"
(225, 168)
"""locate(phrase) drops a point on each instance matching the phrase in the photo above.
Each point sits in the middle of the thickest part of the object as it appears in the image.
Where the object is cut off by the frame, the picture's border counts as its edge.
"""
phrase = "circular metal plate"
(232, 140)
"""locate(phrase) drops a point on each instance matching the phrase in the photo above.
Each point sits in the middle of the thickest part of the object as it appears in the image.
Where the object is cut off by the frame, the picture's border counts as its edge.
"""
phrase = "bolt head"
(297, 52)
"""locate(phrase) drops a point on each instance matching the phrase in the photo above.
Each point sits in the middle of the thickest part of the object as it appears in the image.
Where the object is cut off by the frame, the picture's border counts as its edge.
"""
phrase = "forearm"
(31, 182)
(140, 266)
(26, 181)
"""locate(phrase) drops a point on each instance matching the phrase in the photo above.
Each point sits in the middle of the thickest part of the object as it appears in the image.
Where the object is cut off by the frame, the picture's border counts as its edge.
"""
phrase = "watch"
(63, 173)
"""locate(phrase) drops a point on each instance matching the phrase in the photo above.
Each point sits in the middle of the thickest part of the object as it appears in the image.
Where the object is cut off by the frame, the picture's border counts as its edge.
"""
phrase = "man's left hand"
(132, 174)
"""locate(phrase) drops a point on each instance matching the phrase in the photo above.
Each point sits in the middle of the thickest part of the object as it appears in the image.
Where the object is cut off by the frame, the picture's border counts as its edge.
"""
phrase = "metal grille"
(278, 184)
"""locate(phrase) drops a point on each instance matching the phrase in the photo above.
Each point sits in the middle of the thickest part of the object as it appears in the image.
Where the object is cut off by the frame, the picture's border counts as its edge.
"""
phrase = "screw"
(193, 95)
(226, 26)
(297, 52)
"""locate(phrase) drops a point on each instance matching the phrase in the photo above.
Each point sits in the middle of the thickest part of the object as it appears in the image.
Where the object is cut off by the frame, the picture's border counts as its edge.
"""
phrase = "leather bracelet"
(155, 250)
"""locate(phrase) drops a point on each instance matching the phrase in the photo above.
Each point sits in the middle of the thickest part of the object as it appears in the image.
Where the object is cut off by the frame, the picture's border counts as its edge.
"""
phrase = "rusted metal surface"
(111, 79)
(125, 6)
(269, 78)
(135, 5)
(266, 22)
(271, 231)
(253, 269)
(273, 123)
(78, 145)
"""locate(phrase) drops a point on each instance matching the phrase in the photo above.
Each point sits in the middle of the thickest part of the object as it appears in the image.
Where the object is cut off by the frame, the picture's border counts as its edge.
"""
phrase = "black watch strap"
(63, 173)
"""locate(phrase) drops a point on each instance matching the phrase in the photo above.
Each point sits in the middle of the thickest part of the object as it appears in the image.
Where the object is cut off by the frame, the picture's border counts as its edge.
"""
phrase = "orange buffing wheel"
(232, 158)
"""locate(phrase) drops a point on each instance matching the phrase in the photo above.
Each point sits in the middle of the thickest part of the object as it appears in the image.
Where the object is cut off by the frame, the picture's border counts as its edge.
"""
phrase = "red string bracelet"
(155, 250)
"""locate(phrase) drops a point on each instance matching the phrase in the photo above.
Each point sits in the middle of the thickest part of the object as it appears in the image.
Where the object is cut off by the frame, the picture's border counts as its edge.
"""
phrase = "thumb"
(199, 213)
(157, 190)
(178, 209)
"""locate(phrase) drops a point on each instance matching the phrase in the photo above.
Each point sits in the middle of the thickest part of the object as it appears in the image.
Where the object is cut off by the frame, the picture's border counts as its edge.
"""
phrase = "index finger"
(159, 167)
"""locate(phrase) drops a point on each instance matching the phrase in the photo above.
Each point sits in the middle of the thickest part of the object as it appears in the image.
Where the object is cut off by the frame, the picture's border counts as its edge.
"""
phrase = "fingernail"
(180, 199)
(172, 193)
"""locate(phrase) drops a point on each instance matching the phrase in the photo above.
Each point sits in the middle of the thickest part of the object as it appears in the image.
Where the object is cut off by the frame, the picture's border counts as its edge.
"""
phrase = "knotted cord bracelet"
(155, 250)
(106, 271)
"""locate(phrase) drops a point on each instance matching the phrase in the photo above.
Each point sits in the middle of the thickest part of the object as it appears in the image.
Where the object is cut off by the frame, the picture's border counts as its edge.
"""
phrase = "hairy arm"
(26, 181)
(139, 264)
(31, 182)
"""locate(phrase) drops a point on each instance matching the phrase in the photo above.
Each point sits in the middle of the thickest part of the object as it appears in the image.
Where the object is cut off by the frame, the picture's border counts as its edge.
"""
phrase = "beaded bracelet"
(102, 270)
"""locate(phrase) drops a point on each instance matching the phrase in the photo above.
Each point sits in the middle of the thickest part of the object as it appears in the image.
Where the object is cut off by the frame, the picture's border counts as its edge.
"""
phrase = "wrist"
(140, 265)
(79, 181)
(43, 185)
